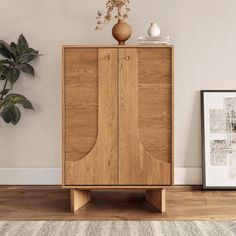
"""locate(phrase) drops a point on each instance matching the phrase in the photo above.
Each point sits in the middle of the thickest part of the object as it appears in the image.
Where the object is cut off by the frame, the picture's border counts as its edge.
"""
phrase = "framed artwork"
(219, 138)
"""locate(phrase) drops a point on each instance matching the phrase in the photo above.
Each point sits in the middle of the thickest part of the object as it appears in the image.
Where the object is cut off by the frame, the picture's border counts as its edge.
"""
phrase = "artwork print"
(219, 138)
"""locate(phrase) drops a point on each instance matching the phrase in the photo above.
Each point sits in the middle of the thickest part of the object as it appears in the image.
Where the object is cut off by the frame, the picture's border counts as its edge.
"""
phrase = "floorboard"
(52, 203)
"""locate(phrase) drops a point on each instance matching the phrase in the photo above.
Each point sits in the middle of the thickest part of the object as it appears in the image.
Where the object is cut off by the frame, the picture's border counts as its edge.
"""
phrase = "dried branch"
(115, 9)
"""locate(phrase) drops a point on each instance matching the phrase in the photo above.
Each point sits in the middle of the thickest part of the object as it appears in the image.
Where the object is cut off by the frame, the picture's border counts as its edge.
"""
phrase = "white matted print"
(219, 138)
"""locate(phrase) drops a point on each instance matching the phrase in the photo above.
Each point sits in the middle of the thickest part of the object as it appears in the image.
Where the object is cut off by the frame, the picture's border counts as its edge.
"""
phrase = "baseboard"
(52, 176)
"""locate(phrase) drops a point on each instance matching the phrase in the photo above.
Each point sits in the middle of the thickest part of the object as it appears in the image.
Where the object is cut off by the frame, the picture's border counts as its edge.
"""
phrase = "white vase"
(154, 29)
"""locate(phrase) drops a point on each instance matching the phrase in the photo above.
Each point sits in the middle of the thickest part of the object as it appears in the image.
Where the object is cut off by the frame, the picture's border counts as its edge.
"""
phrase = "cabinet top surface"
(120, 46)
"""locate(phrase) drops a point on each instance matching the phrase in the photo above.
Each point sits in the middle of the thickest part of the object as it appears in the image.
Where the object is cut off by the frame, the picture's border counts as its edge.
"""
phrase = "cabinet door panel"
(90, 122)
(145, 116)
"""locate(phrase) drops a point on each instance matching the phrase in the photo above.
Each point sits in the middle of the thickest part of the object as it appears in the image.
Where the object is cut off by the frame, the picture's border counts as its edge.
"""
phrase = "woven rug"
(118, 228)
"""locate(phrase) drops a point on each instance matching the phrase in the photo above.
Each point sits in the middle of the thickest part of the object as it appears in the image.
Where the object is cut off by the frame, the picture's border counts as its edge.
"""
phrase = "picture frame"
(218, 122)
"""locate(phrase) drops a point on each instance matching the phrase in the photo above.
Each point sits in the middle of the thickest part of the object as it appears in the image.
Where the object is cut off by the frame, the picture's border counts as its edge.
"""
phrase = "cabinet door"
(145, 116)
(90, 116)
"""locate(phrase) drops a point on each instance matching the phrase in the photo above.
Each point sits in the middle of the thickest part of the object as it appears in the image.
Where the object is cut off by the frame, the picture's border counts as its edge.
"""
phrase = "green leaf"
(6, 114)
(29, 55)
(16, 114)
(12, 74)
(25, 58)
(26, 68)
(27, 104)
(4, 62)
(11, 114)
(22, 44)
(15, 98)
(13, 48)
(2, 71)
(3, 68)
(31, 51)
(8, 48)
(4, 51)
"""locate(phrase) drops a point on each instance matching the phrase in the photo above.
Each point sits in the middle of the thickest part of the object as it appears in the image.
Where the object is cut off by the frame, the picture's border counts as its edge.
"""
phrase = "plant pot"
(121, 31)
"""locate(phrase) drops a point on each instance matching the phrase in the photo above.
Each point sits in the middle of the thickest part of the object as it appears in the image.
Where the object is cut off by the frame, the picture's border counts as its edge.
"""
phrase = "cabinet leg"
(78, 198)
(157, 198)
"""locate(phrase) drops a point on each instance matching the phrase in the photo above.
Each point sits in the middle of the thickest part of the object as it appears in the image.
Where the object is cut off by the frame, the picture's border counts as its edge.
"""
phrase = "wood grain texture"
(130, 171)
(120, 46)
(129, 144)
(116, 187)
(78, 198)
(99, 165)
(157, 198)
(63, 117)
(155, 105)
(53, 203)
(142, 113)
(172, 117)
(81, 102)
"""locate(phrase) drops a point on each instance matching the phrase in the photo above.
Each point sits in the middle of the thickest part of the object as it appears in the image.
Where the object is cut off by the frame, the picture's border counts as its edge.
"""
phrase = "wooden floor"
(52, 203)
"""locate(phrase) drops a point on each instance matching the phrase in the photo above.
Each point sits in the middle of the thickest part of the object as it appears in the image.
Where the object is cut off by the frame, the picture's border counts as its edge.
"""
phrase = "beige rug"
(118, 228)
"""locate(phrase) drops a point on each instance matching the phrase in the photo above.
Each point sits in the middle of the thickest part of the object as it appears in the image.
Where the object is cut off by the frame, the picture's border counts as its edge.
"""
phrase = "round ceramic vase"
(121, 31)
(154, 29)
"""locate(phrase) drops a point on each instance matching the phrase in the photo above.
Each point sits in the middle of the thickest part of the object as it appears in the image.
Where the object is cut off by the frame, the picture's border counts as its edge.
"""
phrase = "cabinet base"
(156, 197)
(78, 198)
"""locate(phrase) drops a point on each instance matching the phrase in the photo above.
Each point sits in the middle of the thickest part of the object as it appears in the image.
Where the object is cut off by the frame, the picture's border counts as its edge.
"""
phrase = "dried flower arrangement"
(115, 9)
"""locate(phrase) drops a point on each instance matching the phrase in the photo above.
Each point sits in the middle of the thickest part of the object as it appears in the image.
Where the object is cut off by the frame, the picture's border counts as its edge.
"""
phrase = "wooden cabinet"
(117, 120)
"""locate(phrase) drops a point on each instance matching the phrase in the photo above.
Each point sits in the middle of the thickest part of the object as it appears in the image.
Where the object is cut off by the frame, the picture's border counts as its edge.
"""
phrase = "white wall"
(204, 35)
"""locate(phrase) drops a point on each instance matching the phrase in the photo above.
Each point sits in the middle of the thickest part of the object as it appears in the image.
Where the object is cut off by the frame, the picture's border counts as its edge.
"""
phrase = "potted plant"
(14, 59)
(116, 9)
